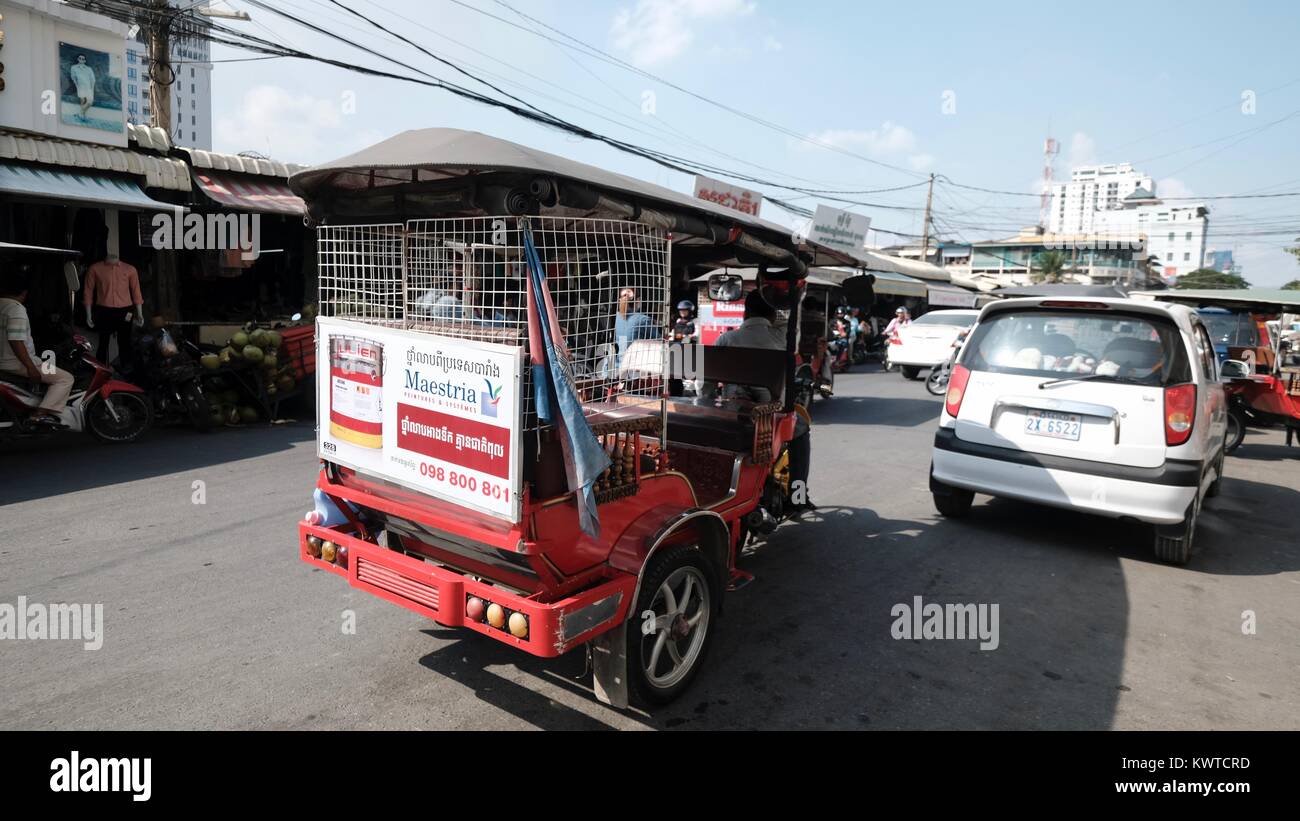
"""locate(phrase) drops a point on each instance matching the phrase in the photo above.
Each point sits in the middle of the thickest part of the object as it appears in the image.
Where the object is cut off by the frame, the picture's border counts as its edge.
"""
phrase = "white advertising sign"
(728, 195)
(432, 413)
(838, 229)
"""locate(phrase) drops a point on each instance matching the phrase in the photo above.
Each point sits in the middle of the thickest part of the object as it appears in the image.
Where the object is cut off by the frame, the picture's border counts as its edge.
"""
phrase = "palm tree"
(1050, 265)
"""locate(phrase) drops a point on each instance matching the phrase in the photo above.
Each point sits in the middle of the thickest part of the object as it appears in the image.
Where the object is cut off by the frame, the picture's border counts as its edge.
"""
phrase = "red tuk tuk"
(498, 448)
(1262, 381)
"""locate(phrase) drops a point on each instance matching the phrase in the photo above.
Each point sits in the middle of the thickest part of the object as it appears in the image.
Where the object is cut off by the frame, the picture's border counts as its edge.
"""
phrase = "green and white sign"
(838, 229)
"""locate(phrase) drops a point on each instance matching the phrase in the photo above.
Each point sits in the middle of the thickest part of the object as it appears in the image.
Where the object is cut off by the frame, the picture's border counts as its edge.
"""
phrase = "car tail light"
(1180, 413)
(956, 389)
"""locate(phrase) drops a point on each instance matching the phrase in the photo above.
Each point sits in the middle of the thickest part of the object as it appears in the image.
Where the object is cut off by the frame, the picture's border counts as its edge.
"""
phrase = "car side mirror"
(1234, 369)
(726, 287)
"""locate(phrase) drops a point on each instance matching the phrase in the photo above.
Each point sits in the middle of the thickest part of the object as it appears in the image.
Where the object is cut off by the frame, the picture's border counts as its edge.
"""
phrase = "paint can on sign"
(356, 390)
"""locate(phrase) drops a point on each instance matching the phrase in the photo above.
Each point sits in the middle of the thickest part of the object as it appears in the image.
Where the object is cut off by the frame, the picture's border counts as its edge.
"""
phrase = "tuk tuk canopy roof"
(1259, 300)
(413, 160)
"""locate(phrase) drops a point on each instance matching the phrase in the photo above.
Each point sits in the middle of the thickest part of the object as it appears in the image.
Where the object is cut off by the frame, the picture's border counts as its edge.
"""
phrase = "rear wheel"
(668, 633)
(1236, 430)
(910, 371)
(1174, 543)
(122, 417)
(951, 502)
(937, 382)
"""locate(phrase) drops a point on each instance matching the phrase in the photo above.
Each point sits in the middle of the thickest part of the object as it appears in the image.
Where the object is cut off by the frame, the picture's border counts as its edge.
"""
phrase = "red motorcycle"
(108, 408)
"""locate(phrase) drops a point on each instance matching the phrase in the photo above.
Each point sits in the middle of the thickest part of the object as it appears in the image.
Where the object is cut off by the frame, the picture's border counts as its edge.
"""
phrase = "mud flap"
(609, 666)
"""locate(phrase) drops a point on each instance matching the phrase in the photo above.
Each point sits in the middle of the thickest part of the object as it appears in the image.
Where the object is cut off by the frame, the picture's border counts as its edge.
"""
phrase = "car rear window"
(1105, 345)
(960, 320)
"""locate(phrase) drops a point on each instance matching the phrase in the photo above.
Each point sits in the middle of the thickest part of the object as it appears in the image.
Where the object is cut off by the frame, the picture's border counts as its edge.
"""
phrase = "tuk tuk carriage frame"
(472, 243)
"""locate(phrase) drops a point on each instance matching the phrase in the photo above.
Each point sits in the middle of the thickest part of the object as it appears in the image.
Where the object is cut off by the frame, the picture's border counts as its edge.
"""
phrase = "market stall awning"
(263, 195)
(76, 186)
(942, 296)
(91, 158)
(19, 248)
(897, 285)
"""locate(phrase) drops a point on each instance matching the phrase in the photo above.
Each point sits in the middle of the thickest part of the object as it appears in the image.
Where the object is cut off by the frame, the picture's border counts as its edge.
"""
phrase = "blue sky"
(1157, 84)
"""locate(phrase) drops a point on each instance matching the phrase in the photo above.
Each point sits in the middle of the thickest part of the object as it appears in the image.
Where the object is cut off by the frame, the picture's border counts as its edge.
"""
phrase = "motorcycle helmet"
(686, 305)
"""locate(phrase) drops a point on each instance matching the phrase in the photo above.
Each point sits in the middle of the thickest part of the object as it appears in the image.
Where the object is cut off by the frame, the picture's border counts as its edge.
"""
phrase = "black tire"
(953, 503)
(1174, 543)
(937, 382)
(134, 416)
(197, 405)
(1236, 430)
(689, 562)
(910, 371)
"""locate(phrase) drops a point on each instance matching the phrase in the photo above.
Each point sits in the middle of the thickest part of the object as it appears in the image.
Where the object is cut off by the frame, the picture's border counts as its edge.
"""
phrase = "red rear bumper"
(441, 594)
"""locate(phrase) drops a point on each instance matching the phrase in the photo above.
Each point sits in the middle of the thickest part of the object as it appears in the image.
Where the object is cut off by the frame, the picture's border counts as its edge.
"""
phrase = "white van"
(1110, 406)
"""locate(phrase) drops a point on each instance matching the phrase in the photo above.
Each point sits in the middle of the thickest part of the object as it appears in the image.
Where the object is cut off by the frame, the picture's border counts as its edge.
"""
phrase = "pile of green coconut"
(252, 347)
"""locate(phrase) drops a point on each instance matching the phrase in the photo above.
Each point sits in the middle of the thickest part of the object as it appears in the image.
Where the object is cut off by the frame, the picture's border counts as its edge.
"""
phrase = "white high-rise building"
(191, 91)
(1119, 203)
(1093, 188)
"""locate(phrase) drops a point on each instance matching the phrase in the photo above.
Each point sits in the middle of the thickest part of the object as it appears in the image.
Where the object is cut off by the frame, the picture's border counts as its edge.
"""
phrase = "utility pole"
(161, 76)
(925, 229)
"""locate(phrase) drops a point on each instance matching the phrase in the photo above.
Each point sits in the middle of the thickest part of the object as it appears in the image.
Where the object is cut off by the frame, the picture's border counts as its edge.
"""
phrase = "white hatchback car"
(927, 341)
(1109, 406)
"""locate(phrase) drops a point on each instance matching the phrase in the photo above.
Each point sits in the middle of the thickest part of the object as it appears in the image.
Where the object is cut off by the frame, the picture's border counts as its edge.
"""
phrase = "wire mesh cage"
(467, 278)
(360, 270)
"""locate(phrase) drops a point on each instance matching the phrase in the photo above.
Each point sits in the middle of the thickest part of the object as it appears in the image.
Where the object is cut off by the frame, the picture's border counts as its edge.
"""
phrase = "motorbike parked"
(169, 372)
(101, 404)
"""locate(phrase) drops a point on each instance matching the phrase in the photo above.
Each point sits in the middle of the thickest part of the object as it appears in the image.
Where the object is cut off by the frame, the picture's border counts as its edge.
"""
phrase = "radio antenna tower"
(1051, 147)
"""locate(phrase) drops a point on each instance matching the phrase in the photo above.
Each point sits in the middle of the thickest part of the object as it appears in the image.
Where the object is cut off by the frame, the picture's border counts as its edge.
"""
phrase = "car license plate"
(1054, 425)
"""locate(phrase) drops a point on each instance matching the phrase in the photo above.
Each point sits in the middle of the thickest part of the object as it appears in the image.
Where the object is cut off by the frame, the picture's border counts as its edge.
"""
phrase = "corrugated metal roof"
(159, 172)
(149, 137)
(240, 164)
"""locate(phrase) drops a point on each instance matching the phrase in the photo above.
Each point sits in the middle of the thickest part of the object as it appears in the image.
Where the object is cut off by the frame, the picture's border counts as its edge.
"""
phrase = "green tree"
(1048, 266)
(1208, 278)
(1293, 285)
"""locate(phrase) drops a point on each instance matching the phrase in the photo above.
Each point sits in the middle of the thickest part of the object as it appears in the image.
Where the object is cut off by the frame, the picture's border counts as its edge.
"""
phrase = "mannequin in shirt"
(111, 295)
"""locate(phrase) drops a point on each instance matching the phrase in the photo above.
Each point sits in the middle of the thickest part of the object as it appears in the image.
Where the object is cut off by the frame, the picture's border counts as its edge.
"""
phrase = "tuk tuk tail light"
(956, 389)
(1180, 413)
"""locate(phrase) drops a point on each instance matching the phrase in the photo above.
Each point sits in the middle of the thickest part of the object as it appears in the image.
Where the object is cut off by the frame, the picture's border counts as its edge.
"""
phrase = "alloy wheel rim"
(681, 622)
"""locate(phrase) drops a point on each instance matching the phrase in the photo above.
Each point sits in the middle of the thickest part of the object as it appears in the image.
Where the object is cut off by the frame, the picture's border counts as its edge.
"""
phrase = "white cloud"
(292, 127)
(1083, 150)
(890, 141)
(654, 31)
(1172, 187)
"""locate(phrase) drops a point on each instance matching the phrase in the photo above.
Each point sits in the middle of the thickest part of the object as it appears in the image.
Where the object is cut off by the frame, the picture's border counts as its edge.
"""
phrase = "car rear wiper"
(1079, 377)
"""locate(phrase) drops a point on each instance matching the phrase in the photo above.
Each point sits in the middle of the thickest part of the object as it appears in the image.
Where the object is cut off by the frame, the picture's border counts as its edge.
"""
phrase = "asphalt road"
(212, 622)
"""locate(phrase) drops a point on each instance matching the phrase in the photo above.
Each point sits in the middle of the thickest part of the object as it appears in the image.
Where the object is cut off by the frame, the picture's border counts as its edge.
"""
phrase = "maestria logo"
(491, 399)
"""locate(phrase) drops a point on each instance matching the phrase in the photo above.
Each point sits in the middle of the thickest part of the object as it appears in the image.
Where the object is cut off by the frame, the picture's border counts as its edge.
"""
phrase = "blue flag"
(557, 397)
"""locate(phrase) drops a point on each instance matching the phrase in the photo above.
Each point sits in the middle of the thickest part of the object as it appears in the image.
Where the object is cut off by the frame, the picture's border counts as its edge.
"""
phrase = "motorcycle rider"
(18, 351)
(683, 329)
